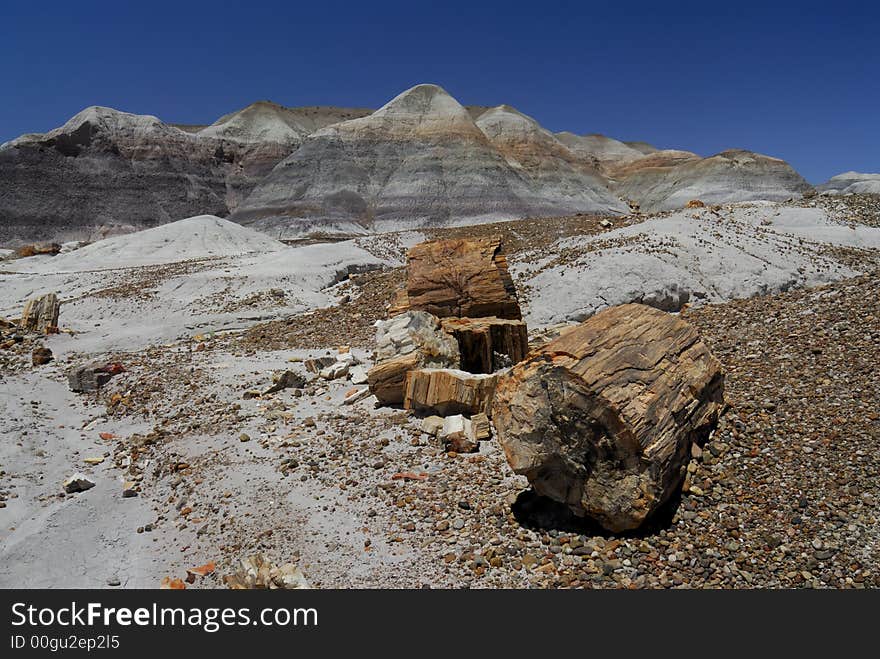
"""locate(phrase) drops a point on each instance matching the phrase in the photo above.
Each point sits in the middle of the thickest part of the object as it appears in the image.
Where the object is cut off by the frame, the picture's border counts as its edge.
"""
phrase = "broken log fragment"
(461, 277)
(603, 418)
(41, 314)
(447, 391)
(486, 344)
(387, 379)
(408, 341)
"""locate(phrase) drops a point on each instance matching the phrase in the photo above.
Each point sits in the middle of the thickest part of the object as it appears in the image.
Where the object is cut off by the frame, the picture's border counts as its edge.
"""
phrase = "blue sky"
(796, 80)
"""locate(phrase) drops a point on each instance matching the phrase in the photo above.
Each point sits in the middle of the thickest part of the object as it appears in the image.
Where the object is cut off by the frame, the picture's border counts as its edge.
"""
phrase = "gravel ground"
(785, 494)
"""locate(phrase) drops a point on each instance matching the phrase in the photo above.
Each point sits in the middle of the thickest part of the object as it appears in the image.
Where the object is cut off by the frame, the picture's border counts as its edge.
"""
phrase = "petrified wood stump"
(41, 314)
(603, 418)
(462, 277)
(447, 391)
(482, 340)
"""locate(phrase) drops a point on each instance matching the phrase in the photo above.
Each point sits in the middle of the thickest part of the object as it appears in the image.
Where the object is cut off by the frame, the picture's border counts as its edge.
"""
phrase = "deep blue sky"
(798, 80)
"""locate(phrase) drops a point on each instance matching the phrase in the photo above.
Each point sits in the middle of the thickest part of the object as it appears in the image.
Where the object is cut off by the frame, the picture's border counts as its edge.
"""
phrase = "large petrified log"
(488, 344)
(603, 418)
(41, 314)
(408, 341)
(461, 277)
(447, 391)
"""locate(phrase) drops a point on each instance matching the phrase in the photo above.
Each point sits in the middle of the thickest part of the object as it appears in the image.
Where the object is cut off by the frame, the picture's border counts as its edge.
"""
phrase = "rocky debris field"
(863, 209)
(784, 495)
(260, 442)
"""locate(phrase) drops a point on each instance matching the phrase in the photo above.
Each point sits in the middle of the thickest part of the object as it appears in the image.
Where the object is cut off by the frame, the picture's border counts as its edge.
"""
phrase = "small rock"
(432, 425)
(336, 370)
(457, 433)
(78, 483)
(358, 374)
(41, 356)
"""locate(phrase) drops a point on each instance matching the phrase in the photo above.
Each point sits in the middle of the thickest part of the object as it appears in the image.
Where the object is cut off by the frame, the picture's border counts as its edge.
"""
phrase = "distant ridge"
(423, 159)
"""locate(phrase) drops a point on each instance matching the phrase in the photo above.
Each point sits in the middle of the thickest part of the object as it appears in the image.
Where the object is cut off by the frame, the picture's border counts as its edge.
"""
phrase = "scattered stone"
(457, 434)
(285, 380)
(78, 483)
(482, 429)
(129, 489)
(40, 356)
(257, 572)
(317, 364)
(432, 425)
(356, 395)
(358, 374)
(92, 376)
(336, 370)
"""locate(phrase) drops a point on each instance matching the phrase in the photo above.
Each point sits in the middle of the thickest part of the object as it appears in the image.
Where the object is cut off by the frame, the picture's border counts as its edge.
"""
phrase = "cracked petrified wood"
(447, 391)
(41, 314)
(461, 277)
(410, 340)
(603, 418)
(488, 344)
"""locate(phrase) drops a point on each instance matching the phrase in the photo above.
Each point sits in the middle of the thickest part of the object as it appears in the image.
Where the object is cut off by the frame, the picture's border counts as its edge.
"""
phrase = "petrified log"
(603, 418)
(400, 302)
(41, 314)
(403, 343)
(388, 378)
(485, 344)
(447, 391)
(35, 249)
(462, 277)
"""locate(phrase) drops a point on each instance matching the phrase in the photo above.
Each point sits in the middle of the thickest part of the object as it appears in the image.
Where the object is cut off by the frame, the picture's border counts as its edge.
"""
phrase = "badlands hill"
(106, 171)
(421, 160)
(606, 152)
(561, 182)
(668, 180)
(851, 183)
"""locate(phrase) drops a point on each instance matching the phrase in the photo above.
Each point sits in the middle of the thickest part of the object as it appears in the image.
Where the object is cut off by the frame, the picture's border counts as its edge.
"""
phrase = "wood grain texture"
(41, 314)
(603, 418)
(447, 391)
(461, 277)
(482, 340)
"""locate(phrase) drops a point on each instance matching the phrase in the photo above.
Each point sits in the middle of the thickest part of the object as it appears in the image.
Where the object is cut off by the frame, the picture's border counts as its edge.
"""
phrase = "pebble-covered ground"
(785, 494)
